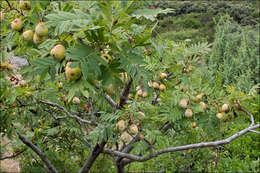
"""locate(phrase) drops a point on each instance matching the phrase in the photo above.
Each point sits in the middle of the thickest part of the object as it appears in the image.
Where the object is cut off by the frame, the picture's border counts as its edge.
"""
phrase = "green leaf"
(52, 131)
(65, 22)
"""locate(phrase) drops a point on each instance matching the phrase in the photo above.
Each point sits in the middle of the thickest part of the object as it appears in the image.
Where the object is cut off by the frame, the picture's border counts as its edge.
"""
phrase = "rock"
(17, 62)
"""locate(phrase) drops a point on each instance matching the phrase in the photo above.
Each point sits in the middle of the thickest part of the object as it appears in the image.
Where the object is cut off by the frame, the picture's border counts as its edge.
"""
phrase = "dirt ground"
(9, 165)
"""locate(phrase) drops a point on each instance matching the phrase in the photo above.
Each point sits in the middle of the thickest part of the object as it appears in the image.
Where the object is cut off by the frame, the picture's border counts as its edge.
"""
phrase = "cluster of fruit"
(6, 65)
(38, 36)
(125, 137)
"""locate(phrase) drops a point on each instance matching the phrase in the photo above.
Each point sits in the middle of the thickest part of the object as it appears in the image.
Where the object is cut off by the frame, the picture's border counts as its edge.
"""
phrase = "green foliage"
(235, 54)
(111, 43)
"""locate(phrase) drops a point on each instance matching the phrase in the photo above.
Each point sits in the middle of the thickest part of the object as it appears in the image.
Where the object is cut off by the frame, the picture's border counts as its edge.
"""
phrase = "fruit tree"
(100, 93)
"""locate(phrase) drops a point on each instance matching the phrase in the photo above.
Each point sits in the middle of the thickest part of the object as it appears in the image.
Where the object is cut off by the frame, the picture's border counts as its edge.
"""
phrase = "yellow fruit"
(194, 124)
(162, 87)
(125, 137)
(76, 100)
(10, 67)
(106, 57)
(188, 113)
(4, 64)
(17, 24)
(138, 88)
(58, 52)
(145, 94)
(28, 35)
(141, 116)
(163, 75)
(225, 107)
(37, 39)
(198, 97)
(121, 125)
(41, 30)
(140, 92)
(73, 74)
(155, 85)
(220, 115)
(183, 103)
(133, 129)
(25, 5)
(203, 105)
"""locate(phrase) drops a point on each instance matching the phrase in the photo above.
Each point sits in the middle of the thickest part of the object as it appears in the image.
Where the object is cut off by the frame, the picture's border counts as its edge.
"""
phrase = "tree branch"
(13, 8)
(51, 168)
(13, 155)
(125, 92)
(92, 157)
(67, 113)
(180, 148)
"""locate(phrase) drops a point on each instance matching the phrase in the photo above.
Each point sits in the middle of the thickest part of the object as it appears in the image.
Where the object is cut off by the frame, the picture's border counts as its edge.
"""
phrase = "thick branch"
(111, 101)
(13, 155)
(39, 153)
(66, 112)
(125, 92)
(180, 148)
(92, 157)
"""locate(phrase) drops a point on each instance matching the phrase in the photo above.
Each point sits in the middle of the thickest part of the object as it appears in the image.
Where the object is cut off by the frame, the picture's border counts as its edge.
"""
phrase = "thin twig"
(39, 153)
(66, 112)
(13, 155)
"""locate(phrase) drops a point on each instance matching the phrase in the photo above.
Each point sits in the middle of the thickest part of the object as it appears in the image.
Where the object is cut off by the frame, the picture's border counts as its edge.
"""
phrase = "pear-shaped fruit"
(10, 67)
(198, 97)
(225, 107)
(58, 52)
(133, 129)
(163, 75)
(3, 65)
(156, 85)
(188, 113)
(76, 100)
(162, 87)
(125, 137)
(203, 105)
(73, 74)
(25, 5)
(17, 24)
(37, 39)
(121, 125)
(220, 115)
(41, 30)
(194, 124)
(28, 35)
(183, 103)
(140, 92)
(145, 94)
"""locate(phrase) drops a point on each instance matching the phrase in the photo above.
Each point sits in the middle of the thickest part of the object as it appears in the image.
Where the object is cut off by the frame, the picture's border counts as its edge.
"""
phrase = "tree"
(98, 84)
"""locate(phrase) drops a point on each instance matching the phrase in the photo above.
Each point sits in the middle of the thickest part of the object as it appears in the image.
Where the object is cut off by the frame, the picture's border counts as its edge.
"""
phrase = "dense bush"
(244, 12)
(235, 54)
